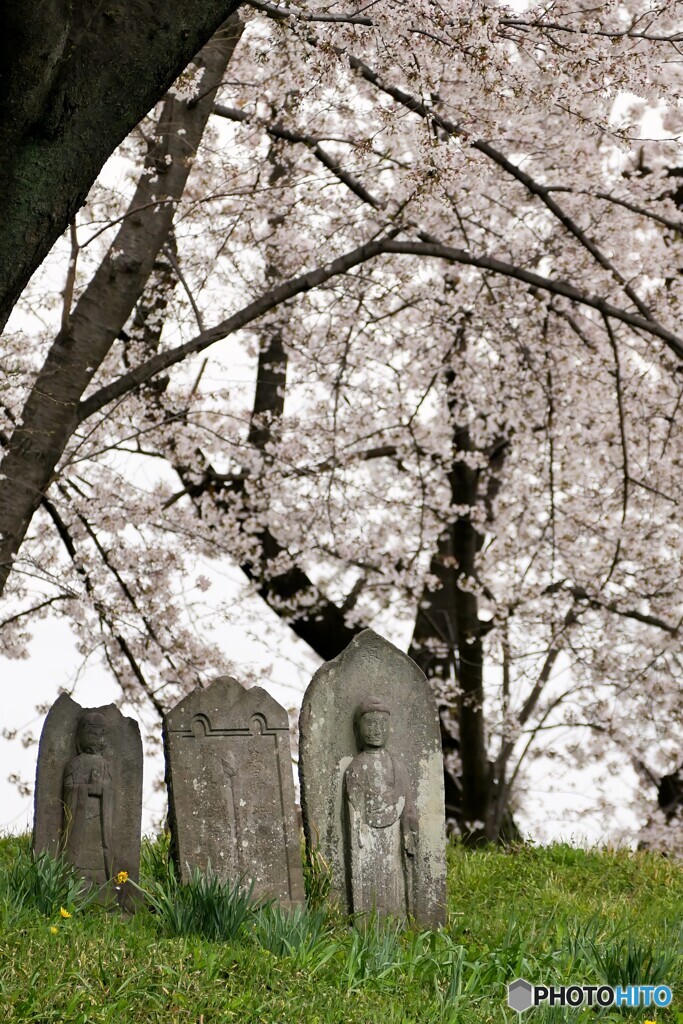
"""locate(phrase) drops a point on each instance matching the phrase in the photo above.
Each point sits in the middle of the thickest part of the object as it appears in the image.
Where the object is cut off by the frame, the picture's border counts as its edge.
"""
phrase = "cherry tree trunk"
(50, 414)
(75, 79)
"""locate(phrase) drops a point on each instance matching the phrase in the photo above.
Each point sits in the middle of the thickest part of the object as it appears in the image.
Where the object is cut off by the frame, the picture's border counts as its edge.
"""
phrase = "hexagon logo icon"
(520, 995)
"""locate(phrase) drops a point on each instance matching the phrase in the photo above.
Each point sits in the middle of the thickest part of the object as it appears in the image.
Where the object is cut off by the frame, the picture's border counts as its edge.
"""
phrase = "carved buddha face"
(91, 736)
(374, 730)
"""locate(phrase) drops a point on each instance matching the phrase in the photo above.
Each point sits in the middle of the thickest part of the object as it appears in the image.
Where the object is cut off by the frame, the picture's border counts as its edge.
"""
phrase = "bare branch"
(70, 277)
(286, 13)
(675, 225)
(47, 603)
(627, 33)
(277, 132)
(581, 594)
(67, 540)
(622, 434)
(321, 275)
(168, 249)
(132, 211)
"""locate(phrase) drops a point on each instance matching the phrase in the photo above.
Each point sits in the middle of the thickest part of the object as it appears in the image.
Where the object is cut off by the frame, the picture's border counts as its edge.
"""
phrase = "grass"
(204, 906)
(206, 954)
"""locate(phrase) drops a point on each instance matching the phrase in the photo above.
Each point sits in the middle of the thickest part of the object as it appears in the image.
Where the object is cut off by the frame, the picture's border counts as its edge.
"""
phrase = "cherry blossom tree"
(445, 242)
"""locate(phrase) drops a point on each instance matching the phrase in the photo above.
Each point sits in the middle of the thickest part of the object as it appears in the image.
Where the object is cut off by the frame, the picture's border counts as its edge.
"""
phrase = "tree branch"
(543, 192)
(49, 416)
(65, 535)
(324, 17)
(277, 132)
(581, 594)
(624, 443)
(47, 603)
(68, 293)
(627, 33)
(342, 265)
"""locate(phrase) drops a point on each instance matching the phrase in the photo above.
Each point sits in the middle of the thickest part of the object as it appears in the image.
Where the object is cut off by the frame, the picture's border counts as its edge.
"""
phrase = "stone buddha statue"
(380, 820)
(88, 794)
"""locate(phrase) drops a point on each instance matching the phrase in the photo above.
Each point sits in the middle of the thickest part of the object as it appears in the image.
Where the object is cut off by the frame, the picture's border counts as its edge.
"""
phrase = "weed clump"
(46, 884)
(204, 905)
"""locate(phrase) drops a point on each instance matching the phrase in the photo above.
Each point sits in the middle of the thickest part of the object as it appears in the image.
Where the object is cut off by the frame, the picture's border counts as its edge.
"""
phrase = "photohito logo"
(522, 995)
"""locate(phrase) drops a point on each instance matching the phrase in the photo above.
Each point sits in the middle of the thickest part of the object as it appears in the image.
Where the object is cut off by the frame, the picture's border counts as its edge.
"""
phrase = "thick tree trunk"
(448, 645)
(49, 416)
(466, 543)
(447, 639)
(75, 79)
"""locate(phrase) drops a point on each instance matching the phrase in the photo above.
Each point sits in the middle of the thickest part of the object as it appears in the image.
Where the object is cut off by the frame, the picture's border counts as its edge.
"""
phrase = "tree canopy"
(382, 306)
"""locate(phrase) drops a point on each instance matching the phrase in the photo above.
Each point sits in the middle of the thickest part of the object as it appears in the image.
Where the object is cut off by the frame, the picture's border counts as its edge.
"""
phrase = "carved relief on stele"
(231, 791)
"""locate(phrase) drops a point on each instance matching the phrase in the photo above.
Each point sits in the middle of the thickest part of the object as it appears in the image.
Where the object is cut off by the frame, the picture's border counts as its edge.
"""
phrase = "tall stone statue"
(88, 796)
(380, 819)
(371, 773)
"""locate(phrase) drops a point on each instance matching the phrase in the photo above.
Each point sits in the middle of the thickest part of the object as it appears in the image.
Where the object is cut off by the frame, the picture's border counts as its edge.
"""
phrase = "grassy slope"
(550, 914)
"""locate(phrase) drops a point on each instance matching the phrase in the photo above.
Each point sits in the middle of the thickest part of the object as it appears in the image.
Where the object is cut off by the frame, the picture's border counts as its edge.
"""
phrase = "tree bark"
(447, 640)
(75, 79)
(466, 543)
(50, 414)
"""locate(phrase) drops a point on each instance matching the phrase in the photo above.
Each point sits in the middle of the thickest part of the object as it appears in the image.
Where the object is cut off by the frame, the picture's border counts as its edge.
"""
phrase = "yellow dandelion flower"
(54, 930)
(122, 877)
(64, 913)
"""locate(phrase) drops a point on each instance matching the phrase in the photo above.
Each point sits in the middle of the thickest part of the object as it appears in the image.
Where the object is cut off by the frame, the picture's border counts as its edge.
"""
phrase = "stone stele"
(88, 796)
(371, 773)
(231, 791)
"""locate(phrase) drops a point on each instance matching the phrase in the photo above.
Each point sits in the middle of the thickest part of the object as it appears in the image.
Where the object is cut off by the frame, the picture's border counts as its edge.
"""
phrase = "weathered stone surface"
(88, 796)
(371, 773)
(230, 788)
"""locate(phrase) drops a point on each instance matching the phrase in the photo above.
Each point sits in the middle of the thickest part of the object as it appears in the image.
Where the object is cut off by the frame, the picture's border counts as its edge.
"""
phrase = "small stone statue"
(89, 802)
(88, 797)
(380, 819)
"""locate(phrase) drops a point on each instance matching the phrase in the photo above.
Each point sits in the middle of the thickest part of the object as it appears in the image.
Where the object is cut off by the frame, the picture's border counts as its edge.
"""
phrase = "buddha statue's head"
(371, 724)
(91, 734)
